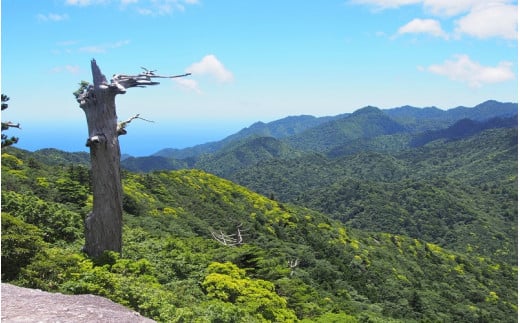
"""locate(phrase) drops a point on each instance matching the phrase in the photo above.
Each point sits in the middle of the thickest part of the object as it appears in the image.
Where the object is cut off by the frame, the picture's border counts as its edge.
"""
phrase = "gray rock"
(33, 305)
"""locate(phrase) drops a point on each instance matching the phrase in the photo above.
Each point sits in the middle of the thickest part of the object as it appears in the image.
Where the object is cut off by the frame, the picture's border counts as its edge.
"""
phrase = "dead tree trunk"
(104, 225)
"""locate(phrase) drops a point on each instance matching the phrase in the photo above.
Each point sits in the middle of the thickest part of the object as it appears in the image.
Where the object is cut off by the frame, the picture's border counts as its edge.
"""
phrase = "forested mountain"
(431, 118)
(397, 215)
(367, 122)
(285, 127)
(54, 156)
(393, 143)
(151, 163)
(197, 247)
(244, 154)
(455, 193)
(368, 128)
(277, 129)
(462, 129)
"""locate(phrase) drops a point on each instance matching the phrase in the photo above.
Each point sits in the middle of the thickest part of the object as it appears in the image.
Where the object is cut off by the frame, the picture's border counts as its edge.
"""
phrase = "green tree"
(6, 141)
(70, 191)
(20, 243)
(228, 283)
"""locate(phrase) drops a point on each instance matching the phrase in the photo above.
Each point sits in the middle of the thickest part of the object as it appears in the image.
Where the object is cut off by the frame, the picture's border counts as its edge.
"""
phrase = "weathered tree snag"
(104, 225)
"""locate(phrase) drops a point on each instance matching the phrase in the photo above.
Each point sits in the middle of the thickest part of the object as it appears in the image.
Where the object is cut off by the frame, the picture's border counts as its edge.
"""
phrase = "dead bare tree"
(293, 263)
(103, 226)
(229, 240)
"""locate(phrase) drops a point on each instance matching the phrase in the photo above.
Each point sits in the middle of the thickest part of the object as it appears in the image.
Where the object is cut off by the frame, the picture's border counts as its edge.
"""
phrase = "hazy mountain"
(282, 128)
(248, 153)
(277, 129)
(413, 119)
(368, 128)
(394, 143)
(432, 118)
(151, 163)
(367, 122)
(462, 129)
(56, 157)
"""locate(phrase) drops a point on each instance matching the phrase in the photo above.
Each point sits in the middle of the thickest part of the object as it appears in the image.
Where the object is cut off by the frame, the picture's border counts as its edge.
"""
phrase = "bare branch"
(123, 81)
(229, 240)
(9, 124)
(122, 125)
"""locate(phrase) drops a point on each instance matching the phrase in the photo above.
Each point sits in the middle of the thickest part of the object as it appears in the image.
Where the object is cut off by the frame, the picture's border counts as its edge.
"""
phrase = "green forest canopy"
(172, 269)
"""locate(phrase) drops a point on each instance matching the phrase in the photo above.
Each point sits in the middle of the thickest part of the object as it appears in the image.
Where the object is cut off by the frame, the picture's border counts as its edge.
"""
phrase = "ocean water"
(143, 138)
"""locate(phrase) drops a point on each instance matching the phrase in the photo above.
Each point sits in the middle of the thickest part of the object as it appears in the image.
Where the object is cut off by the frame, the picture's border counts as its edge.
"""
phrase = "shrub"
(20, 243)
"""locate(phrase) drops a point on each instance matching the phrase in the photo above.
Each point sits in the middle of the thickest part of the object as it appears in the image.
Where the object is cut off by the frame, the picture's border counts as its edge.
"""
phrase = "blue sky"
(250, 60)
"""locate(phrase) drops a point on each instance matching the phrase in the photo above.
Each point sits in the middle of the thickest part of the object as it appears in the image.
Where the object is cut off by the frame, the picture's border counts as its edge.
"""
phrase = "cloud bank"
(490, 20)
(462, 68)
(475, 18)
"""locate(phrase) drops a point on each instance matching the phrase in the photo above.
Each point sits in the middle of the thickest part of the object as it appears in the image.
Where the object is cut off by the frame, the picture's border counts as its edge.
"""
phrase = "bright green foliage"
(460, 194)
(70, 191)
(333, 318)
(228, 283)
(20, 243)
(294, 263)
(57, 222)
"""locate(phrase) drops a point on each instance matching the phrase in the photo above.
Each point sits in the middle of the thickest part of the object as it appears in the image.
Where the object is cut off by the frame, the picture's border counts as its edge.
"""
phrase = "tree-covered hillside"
(460, 194)
(367, 122)
(281, 128)
(432, 118)
(244, 154)
(275, 262)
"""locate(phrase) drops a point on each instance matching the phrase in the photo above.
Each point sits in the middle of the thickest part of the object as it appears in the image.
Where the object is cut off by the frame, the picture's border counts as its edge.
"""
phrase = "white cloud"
(143, 7)
(476, 18)
(83, 3)
(385, 4)
(67, 42)
(451, 7)
(73, 69)
(103, 48)
(463, 69)
(210, 65)
(427, 26)
(490, 20)
(52, 17)
(435, 7)
(188, 84)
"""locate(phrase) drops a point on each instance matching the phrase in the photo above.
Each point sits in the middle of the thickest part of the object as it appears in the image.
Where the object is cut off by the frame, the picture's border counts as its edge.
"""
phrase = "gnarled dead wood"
(103, 226)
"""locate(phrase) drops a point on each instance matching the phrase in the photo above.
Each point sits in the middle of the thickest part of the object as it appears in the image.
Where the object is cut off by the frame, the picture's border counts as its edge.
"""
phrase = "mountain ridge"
(367, 128)
(406, 115)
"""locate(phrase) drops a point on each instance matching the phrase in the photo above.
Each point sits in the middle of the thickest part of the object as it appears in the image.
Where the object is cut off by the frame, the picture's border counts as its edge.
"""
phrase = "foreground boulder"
(33, 305)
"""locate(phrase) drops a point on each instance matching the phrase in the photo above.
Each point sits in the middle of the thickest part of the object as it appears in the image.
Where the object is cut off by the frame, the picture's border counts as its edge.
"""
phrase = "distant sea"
(143, 138)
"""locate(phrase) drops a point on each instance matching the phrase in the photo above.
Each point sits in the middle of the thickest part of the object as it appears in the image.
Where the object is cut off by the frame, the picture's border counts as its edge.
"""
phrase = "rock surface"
(33, 305)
